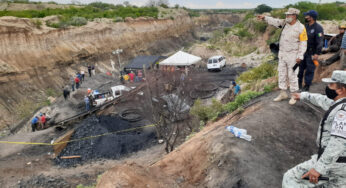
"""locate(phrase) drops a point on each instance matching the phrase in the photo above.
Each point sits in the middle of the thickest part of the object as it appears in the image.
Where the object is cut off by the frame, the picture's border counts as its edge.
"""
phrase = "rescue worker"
(314, 49)
(76, 80)
(292, 48)
(330, 162)
(87, 103)
(236, 88)
(140, 75)
(34, 123)
(334, 43)
(132, 76)
(66, 92)
(89, 70)
(43, 120)
(72, 82)
(334, 46)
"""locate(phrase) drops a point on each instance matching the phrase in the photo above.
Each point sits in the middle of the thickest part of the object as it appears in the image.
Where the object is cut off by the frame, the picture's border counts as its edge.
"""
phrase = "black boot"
(300, 86)
(306, 88)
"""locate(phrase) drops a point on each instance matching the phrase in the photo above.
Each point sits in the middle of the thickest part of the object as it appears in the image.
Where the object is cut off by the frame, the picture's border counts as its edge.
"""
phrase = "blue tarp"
(138, 62)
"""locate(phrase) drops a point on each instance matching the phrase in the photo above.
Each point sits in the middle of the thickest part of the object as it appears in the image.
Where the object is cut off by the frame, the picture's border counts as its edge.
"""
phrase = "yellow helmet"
(342, 27)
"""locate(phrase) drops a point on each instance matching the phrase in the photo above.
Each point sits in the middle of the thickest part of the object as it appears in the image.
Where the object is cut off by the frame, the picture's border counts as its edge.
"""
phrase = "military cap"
(338, 76)
(293, 11)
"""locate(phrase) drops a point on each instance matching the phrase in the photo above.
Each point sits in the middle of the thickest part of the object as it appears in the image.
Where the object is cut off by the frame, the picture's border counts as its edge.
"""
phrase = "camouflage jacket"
(293, 37)
(334, 146)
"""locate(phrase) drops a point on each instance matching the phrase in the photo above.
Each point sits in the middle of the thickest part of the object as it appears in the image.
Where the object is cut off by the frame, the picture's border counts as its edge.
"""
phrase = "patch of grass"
(206, 113)
(79, 16)
(265, 70)
(118, 19)
(26, 107)
(78, 21)
(193, 13)
(274, 36)
(50, 92)
(226, 30)
(244, 33)
(241, 100)
(37, 23)
(260, 26)
(249, 15)
(326, 11)
(217, 36)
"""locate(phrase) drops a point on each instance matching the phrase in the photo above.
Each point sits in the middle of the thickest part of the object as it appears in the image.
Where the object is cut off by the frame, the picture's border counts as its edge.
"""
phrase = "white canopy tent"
(181, 59)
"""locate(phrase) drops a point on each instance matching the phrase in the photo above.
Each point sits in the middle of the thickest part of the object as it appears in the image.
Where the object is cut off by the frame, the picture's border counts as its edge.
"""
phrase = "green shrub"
(164, 5)
(268, 88)
(226, 30)
(241, 99)
(260, 26)
(118, 19)
(53, 24)
(91, 11)
(244, 33)
(263, 8)
(217, 35)
(264, 71)
(274, 36)
(78, 21)
(249, 15)
(193, 13)
(37, 23)
(206, 113)
(326, 11)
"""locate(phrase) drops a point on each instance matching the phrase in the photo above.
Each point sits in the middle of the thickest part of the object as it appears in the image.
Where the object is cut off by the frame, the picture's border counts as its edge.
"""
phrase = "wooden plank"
(66, 137)
(70, 157)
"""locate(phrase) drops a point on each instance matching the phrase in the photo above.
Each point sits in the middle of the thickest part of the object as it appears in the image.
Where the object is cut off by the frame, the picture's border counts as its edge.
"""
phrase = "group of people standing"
(132, 77)
(38, 122)
(300, 46)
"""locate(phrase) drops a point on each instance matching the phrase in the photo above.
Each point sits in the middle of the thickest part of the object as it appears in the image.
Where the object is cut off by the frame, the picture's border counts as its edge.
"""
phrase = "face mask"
(307, 20)
(331, 93)
(289, 20)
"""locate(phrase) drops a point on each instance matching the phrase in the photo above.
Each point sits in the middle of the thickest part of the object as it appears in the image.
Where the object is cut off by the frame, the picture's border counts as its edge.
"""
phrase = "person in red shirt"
(140, 75)
(76, 80)
(43, 120)
(132, 76)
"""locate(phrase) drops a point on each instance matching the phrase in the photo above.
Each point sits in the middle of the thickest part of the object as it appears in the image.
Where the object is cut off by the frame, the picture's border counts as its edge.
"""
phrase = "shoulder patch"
(339, 124)
(303, 36)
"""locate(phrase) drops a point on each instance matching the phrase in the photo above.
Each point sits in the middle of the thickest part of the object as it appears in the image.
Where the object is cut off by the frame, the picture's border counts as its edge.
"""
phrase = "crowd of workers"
(133, 76)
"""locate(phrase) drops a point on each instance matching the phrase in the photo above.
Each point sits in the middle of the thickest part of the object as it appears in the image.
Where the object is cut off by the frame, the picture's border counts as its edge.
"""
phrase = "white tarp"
(181, 59)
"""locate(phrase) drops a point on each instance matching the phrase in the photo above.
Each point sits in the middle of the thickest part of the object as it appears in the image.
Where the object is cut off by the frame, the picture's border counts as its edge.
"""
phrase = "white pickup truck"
(116, 91)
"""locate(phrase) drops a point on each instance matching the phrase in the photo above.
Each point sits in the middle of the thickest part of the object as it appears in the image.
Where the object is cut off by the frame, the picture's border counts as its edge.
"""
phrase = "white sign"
(339, 124)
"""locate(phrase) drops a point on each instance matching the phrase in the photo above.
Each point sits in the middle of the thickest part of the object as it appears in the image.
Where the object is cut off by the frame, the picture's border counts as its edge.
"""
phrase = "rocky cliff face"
(34, 59)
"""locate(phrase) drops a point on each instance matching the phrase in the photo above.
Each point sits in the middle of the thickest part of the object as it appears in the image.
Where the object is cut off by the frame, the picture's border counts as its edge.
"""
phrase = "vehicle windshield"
(210, 61)
(215, 61)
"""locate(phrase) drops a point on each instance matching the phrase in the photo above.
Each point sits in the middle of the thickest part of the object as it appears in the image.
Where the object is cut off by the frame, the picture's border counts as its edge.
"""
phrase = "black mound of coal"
(111, 146)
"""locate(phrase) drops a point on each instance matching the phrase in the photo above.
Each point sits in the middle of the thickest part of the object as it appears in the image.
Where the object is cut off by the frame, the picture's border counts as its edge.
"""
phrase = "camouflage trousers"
(288, 77)
(337, 176)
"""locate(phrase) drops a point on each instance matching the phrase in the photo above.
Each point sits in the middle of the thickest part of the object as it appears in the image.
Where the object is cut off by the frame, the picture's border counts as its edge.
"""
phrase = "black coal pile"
(111, 146)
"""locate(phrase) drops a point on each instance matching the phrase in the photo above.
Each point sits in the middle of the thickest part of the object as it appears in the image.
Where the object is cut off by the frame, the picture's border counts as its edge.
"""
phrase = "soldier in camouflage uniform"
(330, 161)
(293, 44)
